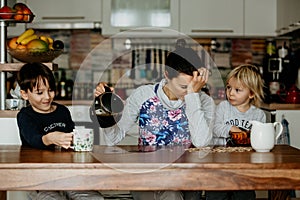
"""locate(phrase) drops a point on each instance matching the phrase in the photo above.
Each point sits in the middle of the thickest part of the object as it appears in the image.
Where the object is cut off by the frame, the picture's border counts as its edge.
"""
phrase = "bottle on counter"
(61, 88)
(56, 76)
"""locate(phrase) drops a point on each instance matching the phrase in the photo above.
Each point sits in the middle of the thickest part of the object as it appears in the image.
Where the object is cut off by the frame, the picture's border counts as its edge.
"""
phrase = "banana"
(28, 39)
(51, 46)
(24, 35)
(50, 40)
(44, 38)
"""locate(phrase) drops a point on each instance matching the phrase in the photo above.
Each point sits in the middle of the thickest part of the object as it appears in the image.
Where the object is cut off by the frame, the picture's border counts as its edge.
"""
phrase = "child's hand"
(58, 138)
(235, 129)
(199, 80)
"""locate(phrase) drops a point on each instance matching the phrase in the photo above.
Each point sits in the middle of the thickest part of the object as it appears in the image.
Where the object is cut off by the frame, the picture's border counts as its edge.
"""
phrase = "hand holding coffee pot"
(107, 106)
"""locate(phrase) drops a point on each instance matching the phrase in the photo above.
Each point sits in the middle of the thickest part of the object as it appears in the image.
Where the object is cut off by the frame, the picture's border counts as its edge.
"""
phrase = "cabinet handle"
(142, 30)
(212, 30)
(63, 18)
(282, 29)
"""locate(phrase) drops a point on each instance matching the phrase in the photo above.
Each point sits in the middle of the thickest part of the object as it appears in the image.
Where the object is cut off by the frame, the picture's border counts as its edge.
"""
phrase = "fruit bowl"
(28, 57)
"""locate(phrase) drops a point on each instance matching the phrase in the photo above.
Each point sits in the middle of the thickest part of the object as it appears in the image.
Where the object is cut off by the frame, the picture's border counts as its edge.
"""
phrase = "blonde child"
(244, 92)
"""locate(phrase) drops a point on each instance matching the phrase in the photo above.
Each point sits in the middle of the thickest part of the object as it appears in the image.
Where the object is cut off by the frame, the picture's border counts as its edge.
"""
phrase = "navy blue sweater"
(33, 125)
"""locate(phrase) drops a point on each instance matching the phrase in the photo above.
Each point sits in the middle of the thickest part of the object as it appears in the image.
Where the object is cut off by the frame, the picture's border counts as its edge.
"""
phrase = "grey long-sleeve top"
(227, 116)
(199, 111)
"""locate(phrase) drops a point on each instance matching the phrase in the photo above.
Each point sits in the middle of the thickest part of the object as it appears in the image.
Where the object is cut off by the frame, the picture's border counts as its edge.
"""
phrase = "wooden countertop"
(280, 106)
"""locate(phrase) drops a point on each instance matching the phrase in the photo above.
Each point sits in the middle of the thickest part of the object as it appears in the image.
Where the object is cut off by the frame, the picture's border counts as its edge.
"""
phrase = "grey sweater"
(228, 116)
(199, 110)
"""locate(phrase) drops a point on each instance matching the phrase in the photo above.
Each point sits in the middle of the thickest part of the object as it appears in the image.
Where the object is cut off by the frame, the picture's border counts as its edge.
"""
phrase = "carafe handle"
(278, 129)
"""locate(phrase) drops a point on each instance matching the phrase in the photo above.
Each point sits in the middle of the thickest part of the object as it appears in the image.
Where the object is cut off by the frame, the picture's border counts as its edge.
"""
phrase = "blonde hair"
(250, 77)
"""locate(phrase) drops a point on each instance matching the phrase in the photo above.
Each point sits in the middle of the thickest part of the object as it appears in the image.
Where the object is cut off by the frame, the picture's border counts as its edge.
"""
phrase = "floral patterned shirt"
(161, 126)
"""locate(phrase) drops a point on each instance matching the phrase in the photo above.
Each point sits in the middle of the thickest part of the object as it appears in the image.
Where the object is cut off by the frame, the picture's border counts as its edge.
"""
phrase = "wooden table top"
(127, 168)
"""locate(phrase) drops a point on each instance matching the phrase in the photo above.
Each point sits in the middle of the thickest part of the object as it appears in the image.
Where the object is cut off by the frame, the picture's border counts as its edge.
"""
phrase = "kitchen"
(237, 35)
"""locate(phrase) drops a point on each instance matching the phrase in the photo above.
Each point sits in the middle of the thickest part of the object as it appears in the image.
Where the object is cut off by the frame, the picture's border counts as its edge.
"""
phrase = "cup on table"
(83, 139)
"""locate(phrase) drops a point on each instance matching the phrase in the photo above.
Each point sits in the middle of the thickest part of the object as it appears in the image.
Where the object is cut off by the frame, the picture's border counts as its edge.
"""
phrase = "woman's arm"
(130, 114)
(200, 112)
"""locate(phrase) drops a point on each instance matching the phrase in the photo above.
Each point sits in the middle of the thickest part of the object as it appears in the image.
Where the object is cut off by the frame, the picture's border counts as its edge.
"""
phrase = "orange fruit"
(26, 14)
(21, 47)
(27, 11)
(13, 43)
(19, 15)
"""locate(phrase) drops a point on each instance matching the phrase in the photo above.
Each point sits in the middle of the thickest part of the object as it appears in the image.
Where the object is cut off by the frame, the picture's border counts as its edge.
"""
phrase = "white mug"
(83, 139)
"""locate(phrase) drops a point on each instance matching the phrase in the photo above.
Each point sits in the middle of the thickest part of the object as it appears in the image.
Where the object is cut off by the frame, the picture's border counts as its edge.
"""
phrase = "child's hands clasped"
(58, 138)
(199, 80)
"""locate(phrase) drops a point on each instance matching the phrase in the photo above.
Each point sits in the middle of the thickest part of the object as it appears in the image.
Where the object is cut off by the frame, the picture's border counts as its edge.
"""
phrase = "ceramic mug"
(83, 139)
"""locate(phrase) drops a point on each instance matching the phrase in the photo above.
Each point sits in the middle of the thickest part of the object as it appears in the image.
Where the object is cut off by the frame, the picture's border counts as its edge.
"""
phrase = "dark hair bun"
(180, 43)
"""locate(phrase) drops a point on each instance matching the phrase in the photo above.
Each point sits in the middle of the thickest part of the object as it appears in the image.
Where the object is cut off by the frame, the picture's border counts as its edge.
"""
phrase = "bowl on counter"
(28, 57)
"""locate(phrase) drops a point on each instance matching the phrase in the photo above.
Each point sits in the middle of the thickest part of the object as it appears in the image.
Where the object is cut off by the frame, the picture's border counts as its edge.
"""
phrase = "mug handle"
(72, 145)
(278, 131)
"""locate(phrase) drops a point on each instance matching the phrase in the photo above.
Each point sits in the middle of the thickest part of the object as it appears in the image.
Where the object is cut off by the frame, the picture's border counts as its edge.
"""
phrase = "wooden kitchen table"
(128, 168)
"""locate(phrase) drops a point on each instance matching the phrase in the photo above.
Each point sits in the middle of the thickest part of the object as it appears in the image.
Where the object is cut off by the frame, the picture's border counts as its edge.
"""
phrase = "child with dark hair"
(45, 124)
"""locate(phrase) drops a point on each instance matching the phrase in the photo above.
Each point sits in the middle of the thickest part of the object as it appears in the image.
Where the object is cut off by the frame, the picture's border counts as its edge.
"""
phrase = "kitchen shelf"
(8, 113)
(4, 66)
(280, 106)
(13, 113)
(27, 18)
(9, 67)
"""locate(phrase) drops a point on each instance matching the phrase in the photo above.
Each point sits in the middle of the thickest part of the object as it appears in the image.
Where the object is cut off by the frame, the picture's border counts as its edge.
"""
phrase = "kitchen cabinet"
(290, 112)
(9, 125)
(260, 18)
(212, 17)
(66, 13)
(292, 116)
(288, 16)
(140, 17)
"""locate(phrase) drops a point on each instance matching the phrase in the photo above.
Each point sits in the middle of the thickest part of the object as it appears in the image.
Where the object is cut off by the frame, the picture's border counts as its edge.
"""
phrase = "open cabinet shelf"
(9, 67)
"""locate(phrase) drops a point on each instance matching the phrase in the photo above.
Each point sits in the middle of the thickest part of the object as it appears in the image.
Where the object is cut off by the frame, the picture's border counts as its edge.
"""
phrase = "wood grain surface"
(127, 168)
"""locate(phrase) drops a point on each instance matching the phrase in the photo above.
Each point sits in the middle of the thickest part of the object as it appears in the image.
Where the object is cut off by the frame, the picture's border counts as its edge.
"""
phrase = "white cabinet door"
(212, 17)
(9, 131)
(292, 116)
(288, 16)
(62, 11)
(140, 17)
(260, 18)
